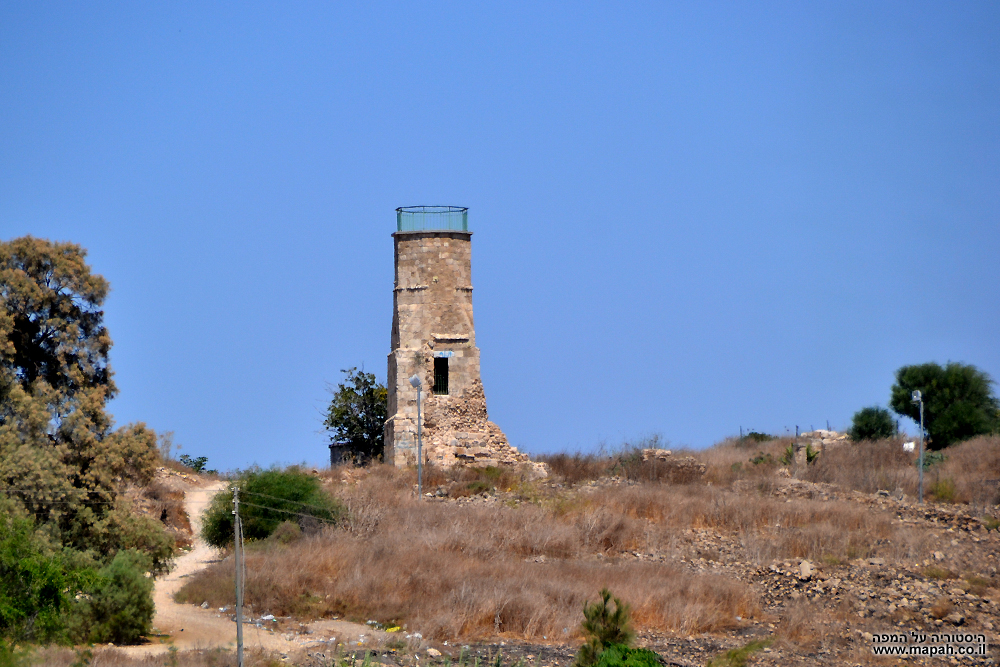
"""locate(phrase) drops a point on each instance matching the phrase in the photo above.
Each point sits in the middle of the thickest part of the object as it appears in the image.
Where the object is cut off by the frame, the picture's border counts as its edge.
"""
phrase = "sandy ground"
(187, 626)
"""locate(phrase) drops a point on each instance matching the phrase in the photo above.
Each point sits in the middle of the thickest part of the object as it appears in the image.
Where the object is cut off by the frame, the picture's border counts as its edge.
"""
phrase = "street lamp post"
(415, 383)
(918, 398)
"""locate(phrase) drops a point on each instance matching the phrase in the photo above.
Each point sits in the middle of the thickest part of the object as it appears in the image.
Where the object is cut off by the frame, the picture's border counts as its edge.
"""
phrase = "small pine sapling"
(603, 628)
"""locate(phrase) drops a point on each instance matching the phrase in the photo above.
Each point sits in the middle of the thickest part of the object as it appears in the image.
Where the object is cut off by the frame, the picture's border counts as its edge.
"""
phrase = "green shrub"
(52, 593)
(738, 657)
(122, 529)
(754, 436)
(933, 458)
(34, 586)
(13, 655)
(872, 423)
(934, 572)
(762, 459)
(286, 532)
(619, 655)
(478, 486)
(789, 456)
(978, 585)
(943, 490)
(118, 607)
(267, 498)
(603, 628)
(196, 464)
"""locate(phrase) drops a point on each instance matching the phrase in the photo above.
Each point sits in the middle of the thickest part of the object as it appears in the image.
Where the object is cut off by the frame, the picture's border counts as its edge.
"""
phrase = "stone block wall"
(432, 317)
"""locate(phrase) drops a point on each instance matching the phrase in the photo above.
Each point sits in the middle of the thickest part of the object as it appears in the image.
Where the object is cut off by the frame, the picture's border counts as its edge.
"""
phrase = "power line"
(82, 501)
(297, 502)
(275, 509)
(115, 502)
(106, 502)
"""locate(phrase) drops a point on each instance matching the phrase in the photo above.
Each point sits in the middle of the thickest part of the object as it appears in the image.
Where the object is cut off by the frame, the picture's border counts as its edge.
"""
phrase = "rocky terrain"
(810, 612)
(752, 557)
(827, 612)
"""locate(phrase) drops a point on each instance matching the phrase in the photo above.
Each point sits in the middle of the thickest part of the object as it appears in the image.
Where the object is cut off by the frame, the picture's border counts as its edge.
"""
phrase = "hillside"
(812, 558)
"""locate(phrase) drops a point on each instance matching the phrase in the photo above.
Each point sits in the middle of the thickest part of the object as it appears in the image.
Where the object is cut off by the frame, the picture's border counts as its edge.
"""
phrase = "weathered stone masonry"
(432, 327)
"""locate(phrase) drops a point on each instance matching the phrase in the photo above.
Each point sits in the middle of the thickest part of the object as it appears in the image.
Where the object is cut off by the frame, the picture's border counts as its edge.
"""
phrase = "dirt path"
(188, 626)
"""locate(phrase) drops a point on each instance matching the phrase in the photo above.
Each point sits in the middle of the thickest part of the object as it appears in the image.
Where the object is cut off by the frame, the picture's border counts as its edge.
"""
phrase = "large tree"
(356, 416)
(958, 401)
(59, 455)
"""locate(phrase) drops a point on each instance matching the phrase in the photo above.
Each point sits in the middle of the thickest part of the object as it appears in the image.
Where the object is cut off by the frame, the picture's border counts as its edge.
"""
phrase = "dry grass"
(624, 461)
(969, 474)
(111, 657)
(942, 607)
(866, 467)
(577, 467)
(801, 628)
(730, 460)
(648, 516)
(467, 571)
(167, 505)
(524, 567)
(974, 469)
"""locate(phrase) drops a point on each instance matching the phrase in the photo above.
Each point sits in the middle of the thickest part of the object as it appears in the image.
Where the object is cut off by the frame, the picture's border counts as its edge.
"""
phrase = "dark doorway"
(441, 375)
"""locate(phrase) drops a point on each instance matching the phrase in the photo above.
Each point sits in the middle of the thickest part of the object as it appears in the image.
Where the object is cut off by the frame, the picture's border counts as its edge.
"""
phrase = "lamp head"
(415, 382)
(917, 396)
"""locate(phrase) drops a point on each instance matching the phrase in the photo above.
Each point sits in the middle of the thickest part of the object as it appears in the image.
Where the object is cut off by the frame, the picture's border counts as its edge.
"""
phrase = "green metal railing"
(432, 218)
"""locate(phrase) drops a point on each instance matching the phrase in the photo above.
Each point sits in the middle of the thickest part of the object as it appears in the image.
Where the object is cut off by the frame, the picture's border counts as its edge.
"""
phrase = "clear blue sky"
(688, 217)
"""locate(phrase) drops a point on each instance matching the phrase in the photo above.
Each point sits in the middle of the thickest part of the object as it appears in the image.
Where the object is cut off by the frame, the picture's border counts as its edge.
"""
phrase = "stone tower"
(433, 337)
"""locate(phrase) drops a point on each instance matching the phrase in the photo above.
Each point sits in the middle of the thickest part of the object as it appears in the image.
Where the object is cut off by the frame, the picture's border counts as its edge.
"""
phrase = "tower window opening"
(441, 375)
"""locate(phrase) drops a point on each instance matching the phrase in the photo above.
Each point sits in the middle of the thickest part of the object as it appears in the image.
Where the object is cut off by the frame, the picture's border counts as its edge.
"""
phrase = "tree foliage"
(356, 416)
(59, 455)
(197, 464)
(34, 582)
(604, 628)
(118, 606)
(51, 593)
(958, 401)
(52, 324)
(63, 466)
(268, 498)
(872, 423)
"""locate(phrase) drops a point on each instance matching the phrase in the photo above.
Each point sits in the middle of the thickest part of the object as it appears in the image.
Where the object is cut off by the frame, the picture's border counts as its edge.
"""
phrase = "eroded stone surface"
(432, 319)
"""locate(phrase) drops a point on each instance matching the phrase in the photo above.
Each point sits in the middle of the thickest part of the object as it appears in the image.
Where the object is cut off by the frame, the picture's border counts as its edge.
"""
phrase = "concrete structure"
(433, 336)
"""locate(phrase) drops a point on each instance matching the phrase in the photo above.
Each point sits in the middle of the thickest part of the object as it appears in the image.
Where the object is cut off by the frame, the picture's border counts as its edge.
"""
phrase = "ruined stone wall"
(432, 317)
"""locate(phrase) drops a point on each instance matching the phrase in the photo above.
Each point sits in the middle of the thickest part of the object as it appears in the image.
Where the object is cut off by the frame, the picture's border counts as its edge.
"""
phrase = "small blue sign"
(444, 354)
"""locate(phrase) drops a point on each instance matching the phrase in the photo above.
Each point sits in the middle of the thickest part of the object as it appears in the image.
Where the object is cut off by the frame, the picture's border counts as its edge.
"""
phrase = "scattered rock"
(955, 618)
(204, 605)
(806, 570)
(677, 471)
(434, 653)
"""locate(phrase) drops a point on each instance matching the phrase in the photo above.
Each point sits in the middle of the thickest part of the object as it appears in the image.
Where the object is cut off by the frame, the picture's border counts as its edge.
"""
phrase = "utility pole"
(238, 554)
(415, 383)
(918, 398)
(420, 453)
